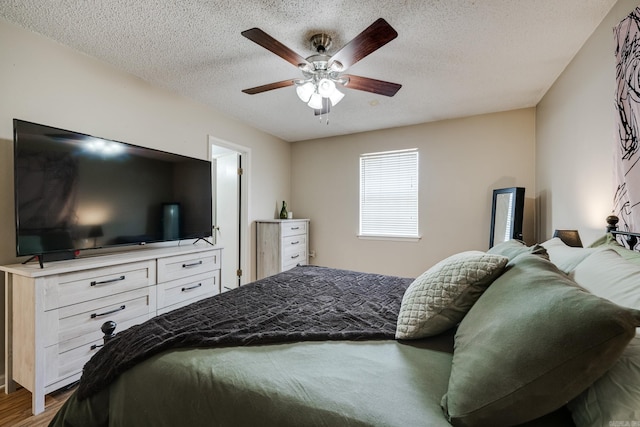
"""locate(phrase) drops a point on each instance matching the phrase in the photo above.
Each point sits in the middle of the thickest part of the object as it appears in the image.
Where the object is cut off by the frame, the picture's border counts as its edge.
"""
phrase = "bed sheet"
(366, 383)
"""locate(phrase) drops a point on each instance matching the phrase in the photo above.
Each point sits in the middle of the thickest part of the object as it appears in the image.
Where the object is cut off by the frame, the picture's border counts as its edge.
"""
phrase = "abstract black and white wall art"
(627, 101)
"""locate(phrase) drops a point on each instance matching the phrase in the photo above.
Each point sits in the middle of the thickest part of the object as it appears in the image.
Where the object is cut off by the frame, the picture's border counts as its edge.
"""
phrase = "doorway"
(230, 172)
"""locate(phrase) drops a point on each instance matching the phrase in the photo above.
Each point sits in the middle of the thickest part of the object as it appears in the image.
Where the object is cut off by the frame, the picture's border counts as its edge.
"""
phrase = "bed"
(517, 335)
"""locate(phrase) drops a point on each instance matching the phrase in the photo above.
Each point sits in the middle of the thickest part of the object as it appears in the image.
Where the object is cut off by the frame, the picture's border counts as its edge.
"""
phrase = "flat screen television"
(75, 191)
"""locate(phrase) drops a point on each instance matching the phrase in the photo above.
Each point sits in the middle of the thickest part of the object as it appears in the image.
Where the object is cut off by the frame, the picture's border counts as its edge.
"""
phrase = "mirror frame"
(517, 212)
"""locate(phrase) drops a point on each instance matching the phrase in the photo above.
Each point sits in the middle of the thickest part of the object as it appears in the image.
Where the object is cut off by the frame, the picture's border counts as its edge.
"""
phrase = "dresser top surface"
(33, 269)
(283, 220)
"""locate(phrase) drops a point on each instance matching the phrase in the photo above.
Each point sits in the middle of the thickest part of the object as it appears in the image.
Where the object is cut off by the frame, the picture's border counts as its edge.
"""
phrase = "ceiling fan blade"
(266, 41)
(372, 85)
(371, 39)
(270, 86)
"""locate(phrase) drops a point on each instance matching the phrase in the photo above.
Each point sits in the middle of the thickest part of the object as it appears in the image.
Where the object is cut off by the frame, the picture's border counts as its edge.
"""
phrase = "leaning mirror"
(506, 215)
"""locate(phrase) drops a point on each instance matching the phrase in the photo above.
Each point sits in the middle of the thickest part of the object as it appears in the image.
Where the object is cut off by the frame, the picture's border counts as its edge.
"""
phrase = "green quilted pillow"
(532, 342)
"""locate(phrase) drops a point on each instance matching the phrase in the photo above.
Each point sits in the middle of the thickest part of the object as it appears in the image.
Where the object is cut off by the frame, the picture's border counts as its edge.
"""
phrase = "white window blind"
(389, 194)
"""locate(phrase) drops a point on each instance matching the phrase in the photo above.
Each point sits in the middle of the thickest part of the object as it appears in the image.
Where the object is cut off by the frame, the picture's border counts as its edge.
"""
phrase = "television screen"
(75, 191)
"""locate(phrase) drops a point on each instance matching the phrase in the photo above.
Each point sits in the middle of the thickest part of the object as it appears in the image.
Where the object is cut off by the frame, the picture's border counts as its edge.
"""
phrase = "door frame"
(245, 202)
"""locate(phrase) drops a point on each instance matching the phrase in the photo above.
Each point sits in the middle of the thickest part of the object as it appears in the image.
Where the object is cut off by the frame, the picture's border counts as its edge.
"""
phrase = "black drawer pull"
(295, 256)
(94, 346)
(193, 264)
(296, 242)
(295, 228)
(191, 287)
(104, 282)
(94, 315)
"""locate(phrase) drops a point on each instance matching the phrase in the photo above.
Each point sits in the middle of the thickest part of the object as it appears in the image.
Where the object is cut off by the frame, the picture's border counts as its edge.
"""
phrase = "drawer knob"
(188, 288)
(104, 282)
(295, 256)
(296, 242)
(295, 228)
(94, 315)
(193, 264)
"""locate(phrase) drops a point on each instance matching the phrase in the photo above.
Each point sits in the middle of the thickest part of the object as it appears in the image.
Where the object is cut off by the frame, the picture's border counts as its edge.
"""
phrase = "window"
(389, 194)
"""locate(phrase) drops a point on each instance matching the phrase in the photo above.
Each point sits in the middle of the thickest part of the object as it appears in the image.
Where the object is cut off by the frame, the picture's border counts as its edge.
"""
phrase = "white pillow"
(566, 258)
(441, 296)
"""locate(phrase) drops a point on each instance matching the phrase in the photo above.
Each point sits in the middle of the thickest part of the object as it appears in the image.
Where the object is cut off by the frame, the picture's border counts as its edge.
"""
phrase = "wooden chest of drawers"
(281, 245)
(54, 314)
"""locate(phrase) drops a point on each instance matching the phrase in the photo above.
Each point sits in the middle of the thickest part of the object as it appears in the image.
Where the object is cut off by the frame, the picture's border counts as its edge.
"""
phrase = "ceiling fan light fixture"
(336, 97)
(316, 101)
(326, 87)
(305, 91)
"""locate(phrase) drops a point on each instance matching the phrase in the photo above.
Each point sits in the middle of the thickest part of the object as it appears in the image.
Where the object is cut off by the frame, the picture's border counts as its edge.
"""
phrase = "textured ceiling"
(454, 58)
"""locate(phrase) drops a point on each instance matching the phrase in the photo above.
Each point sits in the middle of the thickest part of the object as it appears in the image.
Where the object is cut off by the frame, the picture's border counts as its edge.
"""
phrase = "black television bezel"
(72, 253)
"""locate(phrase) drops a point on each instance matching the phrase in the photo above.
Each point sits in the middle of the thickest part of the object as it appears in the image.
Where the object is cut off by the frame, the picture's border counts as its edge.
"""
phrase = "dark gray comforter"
(304, 304)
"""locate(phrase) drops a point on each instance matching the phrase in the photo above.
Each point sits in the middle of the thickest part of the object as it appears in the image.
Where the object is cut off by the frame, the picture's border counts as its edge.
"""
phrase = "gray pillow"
(533, 341)
(440, 297)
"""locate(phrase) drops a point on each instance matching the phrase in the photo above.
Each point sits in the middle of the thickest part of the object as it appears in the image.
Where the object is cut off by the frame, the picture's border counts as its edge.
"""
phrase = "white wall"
(461, 162)
(574, 138)
(45, 82)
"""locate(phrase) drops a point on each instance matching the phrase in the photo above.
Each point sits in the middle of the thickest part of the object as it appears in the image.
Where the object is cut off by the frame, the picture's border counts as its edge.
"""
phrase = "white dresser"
(54, 314)
(281, 244)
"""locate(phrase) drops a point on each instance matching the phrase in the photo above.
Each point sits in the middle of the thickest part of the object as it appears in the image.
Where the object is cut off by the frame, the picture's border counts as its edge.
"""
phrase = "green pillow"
(615, 396)
(608, 275)
(513, 248)
(609, 241)
(565, 257)
(533, 341)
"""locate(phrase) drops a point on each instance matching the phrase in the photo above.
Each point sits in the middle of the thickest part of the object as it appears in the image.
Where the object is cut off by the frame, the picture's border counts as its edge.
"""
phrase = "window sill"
(392, 238)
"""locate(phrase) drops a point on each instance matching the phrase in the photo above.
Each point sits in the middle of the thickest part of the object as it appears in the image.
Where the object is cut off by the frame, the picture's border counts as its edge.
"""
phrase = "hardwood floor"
(15, 408)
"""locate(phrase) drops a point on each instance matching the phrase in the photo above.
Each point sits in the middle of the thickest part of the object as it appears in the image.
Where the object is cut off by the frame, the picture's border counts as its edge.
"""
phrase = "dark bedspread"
(307, 303)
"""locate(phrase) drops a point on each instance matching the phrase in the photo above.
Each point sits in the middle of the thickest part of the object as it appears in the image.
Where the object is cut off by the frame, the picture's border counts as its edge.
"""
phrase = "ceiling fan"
(322, 73)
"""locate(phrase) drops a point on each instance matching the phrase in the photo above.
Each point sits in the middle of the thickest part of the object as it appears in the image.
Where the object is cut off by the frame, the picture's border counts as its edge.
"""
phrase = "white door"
(227, 215)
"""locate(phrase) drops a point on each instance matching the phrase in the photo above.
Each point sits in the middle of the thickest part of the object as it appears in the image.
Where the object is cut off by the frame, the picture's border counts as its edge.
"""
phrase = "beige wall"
(44, 82)
(461, 162)
(575, 134)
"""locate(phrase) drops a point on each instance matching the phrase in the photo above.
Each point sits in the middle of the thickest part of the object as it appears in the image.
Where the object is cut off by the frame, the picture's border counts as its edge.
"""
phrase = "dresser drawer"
(294, 243)
(292, 259)
(177, 267)
(73, 288)
(77, 323)
(188, 288)
(292, 228)
(63, 362)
